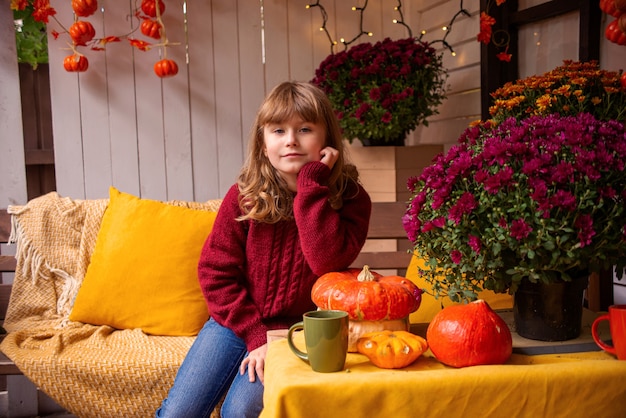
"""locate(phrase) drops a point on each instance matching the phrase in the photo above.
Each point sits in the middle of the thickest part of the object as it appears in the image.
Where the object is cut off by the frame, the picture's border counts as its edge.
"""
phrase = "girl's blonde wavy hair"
(263, 194)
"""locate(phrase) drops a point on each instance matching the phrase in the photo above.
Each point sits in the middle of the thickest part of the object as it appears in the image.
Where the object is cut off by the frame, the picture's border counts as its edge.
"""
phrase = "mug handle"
(596, 337)
(295, 327)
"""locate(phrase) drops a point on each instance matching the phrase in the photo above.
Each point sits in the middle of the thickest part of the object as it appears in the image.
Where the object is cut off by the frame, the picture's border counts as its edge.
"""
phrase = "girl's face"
(291, 144)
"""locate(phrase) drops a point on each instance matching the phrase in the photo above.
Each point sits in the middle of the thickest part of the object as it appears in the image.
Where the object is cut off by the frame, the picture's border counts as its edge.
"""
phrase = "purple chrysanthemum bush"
(541, 198)
(382, 91)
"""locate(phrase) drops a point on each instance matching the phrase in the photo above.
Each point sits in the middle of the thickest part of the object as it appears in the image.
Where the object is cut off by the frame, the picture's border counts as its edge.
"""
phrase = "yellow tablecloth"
(590, 384)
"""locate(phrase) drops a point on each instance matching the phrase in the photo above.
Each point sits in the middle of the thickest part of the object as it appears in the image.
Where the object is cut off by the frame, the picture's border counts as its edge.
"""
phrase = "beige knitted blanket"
(92, 371)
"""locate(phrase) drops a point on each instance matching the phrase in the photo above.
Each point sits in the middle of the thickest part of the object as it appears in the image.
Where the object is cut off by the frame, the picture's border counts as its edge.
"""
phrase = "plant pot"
(397, 142)
(549, 312)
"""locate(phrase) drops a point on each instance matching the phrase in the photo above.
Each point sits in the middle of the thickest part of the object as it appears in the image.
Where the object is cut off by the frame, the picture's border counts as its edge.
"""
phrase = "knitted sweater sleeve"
(331, 239)
(222, 276)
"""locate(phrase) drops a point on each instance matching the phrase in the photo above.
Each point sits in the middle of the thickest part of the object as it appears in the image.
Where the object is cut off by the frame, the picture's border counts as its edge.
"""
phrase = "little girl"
(297, 211)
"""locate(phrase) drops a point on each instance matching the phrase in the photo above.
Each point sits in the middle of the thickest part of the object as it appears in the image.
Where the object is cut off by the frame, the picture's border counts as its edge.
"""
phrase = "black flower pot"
(549, 312)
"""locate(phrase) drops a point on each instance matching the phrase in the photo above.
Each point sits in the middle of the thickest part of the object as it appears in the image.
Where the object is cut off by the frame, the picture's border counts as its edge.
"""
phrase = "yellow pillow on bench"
(430, 306)
(143, 271)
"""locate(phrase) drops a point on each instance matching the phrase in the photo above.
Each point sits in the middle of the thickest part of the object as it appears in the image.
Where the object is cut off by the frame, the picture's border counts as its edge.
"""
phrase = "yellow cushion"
(143, 271)
(430, 306)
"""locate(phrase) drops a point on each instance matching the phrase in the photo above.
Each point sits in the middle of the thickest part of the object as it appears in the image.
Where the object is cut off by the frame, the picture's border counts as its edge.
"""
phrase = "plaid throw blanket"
(92, 371)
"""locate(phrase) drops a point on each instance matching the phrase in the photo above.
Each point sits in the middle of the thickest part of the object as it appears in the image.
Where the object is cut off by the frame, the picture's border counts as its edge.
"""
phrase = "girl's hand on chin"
(329, 156)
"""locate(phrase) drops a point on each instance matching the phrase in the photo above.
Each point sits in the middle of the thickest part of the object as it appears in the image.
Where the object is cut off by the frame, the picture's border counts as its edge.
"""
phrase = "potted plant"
(382, 91)
(569, 89)
(528, 201)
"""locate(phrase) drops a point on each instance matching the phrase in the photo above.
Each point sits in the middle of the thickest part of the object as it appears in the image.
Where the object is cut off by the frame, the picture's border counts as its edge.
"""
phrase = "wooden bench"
(7, 265)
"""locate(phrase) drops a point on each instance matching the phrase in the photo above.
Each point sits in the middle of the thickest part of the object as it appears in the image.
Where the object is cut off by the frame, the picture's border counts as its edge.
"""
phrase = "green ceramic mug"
(325, 337)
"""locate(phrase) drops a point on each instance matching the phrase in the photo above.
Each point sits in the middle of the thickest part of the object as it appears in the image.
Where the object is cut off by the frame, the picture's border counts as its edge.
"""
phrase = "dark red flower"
(584, 224)
(486, 22)
(520, 229)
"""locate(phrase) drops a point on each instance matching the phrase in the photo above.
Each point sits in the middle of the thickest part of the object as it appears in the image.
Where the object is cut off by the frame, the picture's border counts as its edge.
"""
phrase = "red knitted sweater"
(257, 276)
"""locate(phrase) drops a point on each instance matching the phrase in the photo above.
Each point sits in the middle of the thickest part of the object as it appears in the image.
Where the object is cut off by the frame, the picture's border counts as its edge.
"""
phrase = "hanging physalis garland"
(616, 30)
(83, 34)
(500, 37)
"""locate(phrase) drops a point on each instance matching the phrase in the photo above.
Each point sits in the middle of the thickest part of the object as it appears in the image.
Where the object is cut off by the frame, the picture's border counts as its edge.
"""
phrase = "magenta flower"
(584, 223)
(564, 199)
(474, 243)
(465, 205)
(520, 229)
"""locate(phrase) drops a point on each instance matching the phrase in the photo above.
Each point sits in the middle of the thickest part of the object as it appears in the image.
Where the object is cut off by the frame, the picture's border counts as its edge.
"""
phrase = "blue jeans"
(210, 369)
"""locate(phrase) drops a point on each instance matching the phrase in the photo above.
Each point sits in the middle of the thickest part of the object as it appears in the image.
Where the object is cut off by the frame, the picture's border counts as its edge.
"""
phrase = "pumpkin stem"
(365, 275)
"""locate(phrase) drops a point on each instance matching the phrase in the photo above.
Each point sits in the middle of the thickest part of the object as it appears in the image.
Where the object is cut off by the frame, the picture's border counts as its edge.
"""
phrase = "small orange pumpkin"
(75, 63)
(149, 7)
(82, 32)
(84, 8)
(151, 28)
(166, 68)
(469, 335)
(356, 329)
(391, 349)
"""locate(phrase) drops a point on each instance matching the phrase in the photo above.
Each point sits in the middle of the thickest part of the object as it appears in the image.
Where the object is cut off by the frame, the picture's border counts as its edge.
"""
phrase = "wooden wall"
(185, 137)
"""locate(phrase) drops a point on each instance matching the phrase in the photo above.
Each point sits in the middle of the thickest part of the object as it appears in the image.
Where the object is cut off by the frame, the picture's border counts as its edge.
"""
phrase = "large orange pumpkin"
(367, 295)
(374, 302)
(469, 335)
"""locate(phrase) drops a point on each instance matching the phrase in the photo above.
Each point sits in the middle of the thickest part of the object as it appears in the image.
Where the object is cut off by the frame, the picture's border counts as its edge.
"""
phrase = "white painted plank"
(202, 101)
(390, 29)
(253, 85)
(150, 129)
(176, 118)
(458, 105)
(612, 55)
(64, 96)
(277, 51)
(228, 92)
(445, 132)
(12, 167)
(346, 24)
(121, 98)
(301, 63)
(94, 114)
(321, 44)
(463, 79)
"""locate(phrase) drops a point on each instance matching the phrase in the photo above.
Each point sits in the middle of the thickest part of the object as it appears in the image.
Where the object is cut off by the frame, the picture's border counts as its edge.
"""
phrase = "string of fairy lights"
(400, 21)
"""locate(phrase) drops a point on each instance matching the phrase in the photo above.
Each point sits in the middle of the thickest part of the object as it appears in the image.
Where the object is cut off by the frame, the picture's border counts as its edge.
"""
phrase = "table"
(578, 384)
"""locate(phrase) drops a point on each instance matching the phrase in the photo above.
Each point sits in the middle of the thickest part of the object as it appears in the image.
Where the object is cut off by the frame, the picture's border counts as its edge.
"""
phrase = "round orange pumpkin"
(84, 8)
(149, 7)
(367, 295)
(391, 349)
(151, 28)
(75, 63)
(82, 32)
(166, 68)
(469, 335)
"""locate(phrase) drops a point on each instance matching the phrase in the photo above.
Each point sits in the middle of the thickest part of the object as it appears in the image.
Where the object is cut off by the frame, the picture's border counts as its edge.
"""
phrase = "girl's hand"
(255, 363)
(329, 156)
